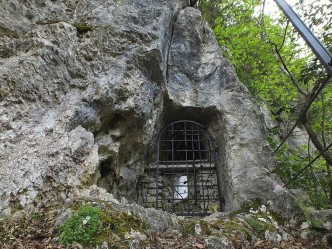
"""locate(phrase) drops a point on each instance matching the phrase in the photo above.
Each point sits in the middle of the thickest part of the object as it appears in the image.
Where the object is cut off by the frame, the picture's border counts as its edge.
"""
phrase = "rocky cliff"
(86, 87)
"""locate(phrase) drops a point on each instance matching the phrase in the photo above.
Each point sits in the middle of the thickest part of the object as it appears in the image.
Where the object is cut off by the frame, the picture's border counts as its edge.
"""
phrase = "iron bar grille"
(184, 180)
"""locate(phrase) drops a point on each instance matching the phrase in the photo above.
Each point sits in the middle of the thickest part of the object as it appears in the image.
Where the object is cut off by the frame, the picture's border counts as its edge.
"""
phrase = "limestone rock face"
(200, 77)
(86, 86)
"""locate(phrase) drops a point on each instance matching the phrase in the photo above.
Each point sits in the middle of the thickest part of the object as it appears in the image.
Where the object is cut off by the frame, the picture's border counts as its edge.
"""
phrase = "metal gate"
(185, 178)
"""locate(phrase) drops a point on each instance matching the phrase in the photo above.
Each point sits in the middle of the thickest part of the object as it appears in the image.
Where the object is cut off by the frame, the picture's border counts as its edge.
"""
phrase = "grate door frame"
(192, 153)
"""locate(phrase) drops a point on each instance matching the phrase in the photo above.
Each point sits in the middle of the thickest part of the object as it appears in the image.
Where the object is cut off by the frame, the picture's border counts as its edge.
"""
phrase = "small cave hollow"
(107, 176)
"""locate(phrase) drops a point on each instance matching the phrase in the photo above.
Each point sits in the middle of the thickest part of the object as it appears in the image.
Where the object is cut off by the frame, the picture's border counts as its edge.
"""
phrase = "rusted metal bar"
(186, 179)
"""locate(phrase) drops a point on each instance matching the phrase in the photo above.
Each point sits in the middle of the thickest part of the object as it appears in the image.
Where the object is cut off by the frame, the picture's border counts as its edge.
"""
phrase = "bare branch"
(287, 70)
(285, 33)
(323, 128)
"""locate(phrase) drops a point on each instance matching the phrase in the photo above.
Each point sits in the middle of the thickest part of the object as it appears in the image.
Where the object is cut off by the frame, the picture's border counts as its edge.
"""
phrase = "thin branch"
(308, 165)
(262, 21)
(285, 33)
(263, 12)
(287, 70)
(315, 88)
(305, 109)
(323, 120)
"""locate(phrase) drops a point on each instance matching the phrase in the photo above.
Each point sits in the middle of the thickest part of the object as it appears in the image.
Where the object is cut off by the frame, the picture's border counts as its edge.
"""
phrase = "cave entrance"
(185, 179)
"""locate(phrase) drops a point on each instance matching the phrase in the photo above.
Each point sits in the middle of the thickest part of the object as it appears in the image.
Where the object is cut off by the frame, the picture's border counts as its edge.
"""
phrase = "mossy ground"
(244, 230)
(114, 225)
(255, 205)
(308, 211)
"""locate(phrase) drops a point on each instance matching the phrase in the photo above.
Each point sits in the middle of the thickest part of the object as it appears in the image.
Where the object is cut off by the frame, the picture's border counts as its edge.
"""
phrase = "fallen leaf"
(199, 245)
(258, 242)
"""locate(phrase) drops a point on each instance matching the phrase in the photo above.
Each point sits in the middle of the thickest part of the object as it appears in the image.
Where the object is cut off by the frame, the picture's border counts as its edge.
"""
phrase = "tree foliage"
(277, 67)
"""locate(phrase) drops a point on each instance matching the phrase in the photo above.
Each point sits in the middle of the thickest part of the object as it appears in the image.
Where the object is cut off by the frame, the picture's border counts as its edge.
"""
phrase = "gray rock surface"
(200, 77)
(217, 242)
(86, 86)
(323, 218)
(157, 220)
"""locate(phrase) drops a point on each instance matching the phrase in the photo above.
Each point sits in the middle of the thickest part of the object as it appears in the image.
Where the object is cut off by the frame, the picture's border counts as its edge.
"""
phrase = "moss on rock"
(82, 27)
(98, 222)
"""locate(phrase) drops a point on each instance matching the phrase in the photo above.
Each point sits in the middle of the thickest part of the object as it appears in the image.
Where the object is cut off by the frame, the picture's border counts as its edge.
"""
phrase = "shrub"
(82, 227)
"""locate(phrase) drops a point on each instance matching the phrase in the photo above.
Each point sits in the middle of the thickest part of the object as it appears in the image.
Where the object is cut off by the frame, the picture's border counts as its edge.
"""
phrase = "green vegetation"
(82, 227)
(258, 226)
(96, 223)
(232, 226)
(82, 27)
(246, 225)
(245, 207)
(308, 211)
(188, 227)
(283, 74)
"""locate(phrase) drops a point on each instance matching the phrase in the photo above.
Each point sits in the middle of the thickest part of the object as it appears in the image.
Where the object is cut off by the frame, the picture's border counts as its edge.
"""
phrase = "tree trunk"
(328, 158)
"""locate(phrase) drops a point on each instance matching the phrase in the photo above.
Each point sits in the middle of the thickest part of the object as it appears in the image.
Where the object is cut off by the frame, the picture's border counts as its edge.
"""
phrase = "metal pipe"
(316, 46)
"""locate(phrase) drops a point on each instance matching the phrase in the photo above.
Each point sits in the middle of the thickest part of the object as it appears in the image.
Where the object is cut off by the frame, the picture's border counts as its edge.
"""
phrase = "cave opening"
(107, 174)
(185, 178)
